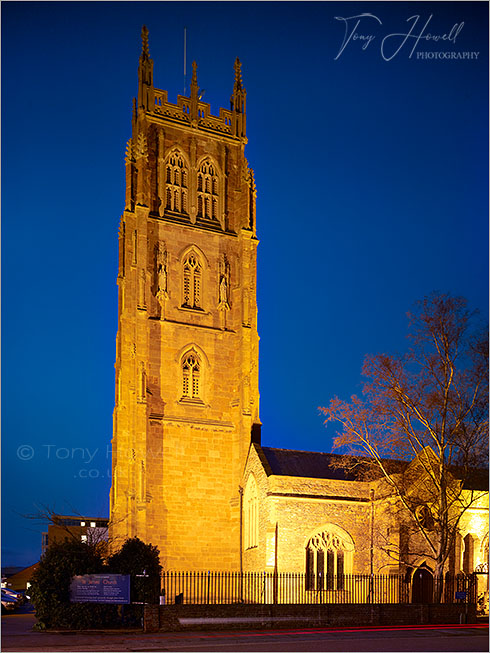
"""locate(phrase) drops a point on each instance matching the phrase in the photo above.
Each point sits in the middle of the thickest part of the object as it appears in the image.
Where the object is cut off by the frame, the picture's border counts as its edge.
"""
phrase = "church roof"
(312, 464)
(316, 464)
(477, 479)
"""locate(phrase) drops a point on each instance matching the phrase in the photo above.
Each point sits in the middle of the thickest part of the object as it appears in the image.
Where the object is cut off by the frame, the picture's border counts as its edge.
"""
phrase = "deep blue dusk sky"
(372, 192)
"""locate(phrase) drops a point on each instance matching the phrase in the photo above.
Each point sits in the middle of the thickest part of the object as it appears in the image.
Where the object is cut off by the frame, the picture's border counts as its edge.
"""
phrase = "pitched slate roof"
(311, 464)
(316, 464)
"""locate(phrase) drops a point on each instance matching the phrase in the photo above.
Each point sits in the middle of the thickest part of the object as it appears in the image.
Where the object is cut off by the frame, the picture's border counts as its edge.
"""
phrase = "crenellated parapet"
(180, 113)
(153, 104)
(184, 164)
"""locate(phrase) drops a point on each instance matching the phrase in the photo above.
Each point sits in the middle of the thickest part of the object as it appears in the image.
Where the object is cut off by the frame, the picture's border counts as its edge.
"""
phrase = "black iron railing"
(206, 587)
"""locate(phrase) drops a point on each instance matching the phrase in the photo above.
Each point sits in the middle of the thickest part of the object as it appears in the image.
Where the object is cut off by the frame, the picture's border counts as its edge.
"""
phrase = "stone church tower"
(187, 399)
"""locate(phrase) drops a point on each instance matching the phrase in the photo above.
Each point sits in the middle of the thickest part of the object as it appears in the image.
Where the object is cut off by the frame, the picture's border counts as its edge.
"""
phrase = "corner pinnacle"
(144, 38)
(238, 75)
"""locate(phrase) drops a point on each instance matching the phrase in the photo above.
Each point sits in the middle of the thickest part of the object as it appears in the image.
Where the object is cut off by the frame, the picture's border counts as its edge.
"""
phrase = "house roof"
(74, 520)
(10, 571)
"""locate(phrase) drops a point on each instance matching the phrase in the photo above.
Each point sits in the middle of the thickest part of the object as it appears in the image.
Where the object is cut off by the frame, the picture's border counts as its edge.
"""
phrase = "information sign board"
(100, 588)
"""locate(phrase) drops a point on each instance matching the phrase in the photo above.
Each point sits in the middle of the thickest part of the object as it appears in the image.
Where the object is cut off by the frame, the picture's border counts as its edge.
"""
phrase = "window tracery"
(191, 376)
(207, 191)
(424, 515)
(192, 281)
(177, 177)
(328, 558)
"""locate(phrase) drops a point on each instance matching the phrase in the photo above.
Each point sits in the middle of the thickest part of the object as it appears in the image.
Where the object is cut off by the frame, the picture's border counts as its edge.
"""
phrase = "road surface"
(18, 636)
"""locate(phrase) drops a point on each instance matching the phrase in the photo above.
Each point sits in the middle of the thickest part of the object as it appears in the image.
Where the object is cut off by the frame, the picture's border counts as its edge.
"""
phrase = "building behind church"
(190, 474)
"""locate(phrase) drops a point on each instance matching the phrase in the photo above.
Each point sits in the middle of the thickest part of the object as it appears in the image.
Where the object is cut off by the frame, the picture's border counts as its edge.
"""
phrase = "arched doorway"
(422, 586)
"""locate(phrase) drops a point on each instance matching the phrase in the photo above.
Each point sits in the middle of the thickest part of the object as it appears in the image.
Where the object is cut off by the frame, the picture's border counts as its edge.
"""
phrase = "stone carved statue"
(161, 272)
(162, 277)
(223, 291)
(224, 282)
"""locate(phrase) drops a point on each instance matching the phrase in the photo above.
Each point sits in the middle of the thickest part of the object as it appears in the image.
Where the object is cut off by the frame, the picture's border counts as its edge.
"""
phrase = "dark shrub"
(50, 591)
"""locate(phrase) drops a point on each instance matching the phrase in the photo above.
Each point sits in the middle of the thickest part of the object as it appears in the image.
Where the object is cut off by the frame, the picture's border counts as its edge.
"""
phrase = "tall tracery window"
(191, 376)
(328, 558)
(177, 177)
(207, 191)
(192, 281)
(251, 514)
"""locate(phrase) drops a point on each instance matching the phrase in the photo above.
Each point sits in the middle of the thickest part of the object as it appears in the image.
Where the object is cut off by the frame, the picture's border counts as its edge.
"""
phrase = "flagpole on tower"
(185, 58)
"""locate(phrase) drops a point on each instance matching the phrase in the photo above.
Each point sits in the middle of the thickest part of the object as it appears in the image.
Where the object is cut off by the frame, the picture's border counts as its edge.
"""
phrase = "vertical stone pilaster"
(161, 172)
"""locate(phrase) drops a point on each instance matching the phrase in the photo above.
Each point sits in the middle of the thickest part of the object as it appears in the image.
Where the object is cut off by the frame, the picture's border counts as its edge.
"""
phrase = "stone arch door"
(422, 586)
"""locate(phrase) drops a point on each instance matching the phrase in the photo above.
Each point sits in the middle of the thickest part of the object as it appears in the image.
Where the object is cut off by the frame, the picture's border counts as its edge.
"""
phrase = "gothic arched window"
(251, 514)
(191, 376)
(328, 558)
(176, 184)
(192, 281)
(207, 191)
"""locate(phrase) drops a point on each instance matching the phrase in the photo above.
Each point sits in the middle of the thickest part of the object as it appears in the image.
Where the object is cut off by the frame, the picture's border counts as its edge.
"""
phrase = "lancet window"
(176, 185)
(192, 282)
(191, 376)
(207, 191)
(328, 559)
(251, 514)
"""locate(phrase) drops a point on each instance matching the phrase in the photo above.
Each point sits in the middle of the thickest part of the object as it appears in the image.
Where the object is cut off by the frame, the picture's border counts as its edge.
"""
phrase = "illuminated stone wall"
(301, 507)
(365, 514)
(474, 523)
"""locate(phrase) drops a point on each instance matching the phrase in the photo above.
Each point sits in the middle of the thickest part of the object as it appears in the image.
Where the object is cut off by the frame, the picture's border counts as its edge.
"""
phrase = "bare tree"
(428, 406)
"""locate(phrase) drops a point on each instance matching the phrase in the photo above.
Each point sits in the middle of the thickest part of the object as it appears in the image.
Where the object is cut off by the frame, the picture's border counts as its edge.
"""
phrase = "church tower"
(187, 399)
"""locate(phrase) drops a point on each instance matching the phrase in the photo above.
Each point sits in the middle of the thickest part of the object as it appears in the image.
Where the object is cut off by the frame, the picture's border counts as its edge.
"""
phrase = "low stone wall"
(230, 617)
